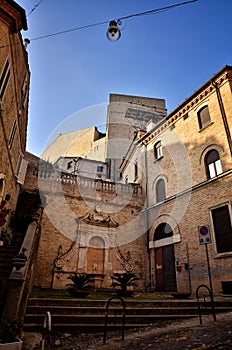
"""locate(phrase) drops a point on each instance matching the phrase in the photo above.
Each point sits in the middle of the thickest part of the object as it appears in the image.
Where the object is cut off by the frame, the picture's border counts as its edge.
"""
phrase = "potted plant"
(9, 334)
(6, 235)
(123, 281)
(20, 259)
(4, 210)
(81, 284)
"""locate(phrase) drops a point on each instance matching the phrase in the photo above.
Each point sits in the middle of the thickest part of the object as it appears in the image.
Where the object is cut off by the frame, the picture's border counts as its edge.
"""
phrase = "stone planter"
(180, 295)
(124, 293)
(78, 293)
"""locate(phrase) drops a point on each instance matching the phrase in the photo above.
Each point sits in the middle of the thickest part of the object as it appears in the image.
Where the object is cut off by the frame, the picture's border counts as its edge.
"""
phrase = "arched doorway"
(164, 259)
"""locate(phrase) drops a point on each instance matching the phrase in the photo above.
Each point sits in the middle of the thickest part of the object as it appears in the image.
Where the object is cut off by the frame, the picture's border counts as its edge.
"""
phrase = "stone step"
(83, 302)
(83, 314)
(93, 322)
(73, 310)
(84, 327)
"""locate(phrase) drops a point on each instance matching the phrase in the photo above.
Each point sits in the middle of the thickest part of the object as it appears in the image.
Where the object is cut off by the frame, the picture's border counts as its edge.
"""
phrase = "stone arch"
(164, 177)
(170, 220)
(201, 105)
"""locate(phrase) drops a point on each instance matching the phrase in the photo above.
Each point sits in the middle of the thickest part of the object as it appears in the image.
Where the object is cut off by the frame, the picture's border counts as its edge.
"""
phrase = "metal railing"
(209, 294)
(47, 329)
(123, 305)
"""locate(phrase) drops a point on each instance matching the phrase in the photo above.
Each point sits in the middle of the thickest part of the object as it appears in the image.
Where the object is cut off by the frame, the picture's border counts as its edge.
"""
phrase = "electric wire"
(150, 12)
(35, 7)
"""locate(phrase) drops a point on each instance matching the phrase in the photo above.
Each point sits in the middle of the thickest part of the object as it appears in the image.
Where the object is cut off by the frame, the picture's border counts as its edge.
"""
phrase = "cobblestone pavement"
(178, 335)
(181, 336)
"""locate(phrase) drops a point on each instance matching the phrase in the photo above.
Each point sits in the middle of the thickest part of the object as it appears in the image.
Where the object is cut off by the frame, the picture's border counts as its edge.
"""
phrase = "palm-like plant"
(80, 282)
(124, 280)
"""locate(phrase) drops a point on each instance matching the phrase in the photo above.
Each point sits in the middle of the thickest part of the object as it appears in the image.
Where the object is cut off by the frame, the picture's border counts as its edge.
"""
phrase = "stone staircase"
(89, 315)
(6, 255)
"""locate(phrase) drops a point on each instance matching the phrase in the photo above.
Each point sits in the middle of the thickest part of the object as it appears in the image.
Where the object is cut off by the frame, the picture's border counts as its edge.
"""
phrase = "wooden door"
(159, 270)
(165, 269)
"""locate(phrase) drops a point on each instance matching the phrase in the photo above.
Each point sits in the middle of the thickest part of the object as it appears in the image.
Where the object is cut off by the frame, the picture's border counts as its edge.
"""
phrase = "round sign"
(204, 230)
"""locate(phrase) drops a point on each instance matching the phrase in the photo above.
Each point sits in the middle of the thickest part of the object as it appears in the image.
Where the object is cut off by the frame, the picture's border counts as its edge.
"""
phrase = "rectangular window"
(69, 165)
(222, 228)
(99, 169)
(158, 150)
(12, 135)
(4, 78)
(136, 170)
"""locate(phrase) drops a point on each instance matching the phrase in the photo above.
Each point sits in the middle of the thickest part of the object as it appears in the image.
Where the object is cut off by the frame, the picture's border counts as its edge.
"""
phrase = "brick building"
(92, 221)
(185, 164)
(14, 93)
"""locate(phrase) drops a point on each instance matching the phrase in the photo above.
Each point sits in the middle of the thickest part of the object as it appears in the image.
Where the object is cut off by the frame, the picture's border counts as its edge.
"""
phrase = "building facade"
(163, 210)
(14, 95)
(185, 164)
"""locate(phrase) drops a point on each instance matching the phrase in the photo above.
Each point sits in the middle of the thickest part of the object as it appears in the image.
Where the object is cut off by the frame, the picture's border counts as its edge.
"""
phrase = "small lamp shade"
(113, 33)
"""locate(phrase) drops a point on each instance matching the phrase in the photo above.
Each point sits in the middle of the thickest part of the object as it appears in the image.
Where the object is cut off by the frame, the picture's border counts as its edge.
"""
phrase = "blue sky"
(167, 55)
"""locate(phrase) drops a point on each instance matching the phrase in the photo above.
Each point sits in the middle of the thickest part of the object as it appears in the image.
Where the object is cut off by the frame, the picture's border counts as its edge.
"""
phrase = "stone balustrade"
(90, 183)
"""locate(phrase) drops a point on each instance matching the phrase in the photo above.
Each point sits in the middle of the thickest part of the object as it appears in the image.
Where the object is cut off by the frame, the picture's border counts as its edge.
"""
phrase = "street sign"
(204, 234)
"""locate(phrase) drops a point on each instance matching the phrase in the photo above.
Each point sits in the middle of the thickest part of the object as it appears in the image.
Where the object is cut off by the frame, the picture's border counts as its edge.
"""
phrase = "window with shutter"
(21, 169)
(25, 90)
(12, 135)
(160, 191)
(222, 228)
(4, 78)
(204, 117)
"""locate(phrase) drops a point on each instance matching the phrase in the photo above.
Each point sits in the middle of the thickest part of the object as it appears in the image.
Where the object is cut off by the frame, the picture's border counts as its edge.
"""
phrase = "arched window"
(164, 230)
(160, 191)
(203, 117)
(213, 164)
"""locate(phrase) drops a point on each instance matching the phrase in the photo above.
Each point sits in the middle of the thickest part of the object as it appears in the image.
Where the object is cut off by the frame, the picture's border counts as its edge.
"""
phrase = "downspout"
(147, 214)
(223, 114)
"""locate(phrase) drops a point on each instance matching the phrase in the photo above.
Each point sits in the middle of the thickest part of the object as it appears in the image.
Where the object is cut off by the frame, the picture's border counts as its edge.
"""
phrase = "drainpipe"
(223, 114)
(147, 214)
